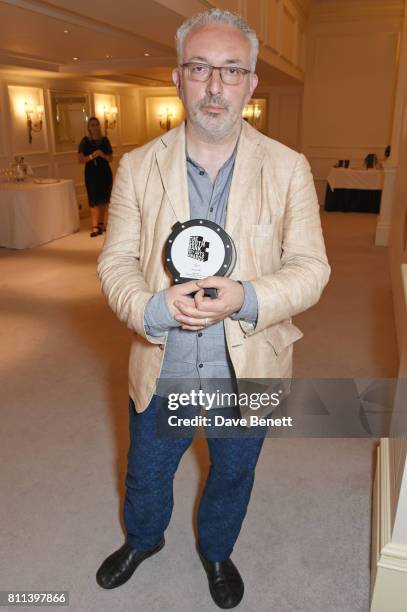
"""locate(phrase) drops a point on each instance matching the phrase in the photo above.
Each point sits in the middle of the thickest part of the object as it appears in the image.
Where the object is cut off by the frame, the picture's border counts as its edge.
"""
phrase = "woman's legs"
(94, 215)
(103, 215)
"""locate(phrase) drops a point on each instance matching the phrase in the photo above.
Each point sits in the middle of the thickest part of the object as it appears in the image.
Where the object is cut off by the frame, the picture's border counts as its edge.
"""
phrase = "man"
(216, 167)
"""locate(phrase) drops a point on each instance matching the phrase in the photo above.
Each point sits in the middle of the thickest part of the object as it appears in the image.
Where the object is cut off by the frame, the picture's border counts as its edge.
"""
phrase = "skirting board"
(389, 560)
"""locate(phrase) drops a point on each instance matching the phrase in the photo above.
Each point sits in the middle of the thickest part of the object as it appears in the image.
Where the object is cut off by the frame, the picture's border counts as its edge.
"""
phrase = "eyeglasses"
(230, 75)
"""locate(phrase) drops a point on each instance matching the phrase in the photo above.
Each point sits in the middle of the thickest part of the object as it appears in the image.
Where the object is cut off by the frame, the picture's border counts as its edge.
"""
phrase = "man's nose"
(214, 85)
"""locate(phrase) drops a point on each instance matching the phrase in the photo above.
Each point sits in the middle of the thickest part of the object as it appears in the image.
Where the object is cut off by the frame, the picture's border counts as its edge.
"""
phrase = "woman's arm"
(99, 153)
(84, 159)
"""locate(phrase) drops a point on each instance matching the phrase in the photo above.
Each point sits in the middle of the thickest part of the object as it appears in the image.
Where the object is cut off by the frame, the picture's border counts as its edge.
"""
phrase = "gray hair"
(218, 16)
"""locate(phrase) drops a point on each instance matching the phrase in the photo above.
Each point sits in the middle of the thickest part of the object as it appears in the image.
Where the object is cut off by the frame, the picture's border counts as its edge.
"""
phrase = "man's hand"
(204, 311)
(180, 293)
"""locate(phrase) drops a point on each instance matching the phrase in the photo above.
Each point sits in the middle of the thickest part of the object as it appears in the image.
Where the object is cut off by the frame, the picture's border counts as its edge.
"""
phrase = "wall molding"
(381, 523)
(129, 144)
(340, 147)
(389, 559)
(45, 165)
(304, 7)
(286, 51)
(394, 557)
(336, 10)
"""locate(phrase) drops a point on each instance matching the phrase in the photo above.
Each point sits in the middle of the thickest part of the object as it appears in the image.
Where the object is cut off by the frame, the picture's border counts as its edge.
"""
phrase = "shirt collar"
(230, 160)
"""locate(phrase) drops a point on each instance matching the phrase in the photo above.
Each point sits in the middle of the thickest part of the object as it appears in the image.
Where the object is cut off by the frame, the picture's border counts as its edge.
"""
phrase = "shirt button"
(199, 334)
(201, 365)
(201, 172)
(211, 209)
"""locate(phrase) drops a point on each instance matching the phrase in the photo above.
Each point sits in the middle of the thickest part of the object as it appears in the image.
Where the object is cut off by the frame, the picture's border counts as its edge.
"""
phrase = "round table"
(35, 213)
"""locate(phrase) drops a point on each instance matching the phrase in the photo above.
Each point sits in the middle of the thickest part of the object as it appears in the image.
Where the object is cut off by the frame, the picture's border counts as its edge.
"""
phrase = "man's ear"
(176, 78)
(254, 79)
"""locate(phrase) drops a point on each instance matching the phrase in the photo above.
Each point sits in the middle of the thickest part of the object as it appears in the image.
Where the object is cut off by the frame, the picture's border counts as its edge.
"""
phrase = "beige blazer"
(273, 218)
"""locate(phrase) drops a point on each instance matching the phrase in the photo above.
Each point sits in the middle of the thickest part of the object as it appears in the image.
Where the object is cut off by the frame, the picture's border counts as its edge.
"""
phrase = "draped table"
(354, 190)
(35, 213)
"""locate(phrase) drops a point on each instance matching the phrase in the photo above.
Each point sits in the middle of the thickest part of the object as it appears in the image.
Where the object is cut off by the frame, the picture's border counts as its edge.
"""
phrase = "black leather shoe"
(96, 231)
(121, 565)
(225, 582)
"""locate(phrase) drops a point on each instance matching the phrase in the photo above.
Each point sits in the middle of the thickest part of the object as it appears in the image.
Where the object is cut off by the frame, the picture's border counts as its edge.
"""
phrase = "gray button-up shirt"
(199, 355)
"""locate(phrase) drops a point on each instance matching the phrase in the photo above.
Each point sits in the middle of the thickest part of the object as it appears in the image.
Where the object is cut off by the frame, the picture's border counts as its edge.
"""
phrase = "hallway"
(305, 543)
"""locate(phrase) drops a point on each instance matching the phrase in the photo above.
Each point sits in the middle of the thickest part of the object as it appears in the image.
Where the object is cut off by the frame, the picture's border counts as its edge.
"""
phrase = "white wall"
(350, 82)
(284, 108)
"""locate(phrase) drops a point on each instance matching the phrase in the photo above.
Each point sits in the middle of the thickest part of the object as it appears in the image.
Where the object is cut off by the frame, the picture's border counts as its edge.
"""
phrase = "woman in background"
(95, 151)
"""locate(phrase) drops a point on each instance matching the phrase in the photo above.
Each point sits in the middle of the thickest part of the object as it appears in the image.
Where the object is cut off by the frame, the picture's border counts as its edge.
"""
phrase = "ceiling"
(126, 41)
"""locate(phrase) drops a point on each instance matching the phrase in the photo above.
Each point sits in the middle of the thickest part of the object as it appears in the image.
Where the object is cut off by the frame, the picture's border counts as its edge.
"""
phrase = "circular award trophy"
(199, 248)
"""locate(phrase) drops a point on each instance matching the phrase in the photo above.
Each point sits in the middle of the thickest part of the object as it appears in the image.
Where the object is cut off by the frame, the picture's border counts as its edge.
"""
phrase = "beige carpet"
(305, 543)
(350, 332)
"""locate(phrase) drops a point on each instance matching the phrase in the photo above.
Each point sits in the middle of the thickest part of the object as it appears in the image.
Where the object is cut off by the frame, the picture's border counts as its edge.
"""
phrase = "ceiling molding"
(187, 8)
(117, 65)
(19, 59)
(134, 79)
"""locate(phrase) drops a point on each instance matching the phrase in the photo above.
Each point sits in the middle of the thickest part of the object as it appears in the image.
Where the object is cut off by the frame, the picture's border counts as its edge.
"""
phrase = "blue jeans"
(152, 463)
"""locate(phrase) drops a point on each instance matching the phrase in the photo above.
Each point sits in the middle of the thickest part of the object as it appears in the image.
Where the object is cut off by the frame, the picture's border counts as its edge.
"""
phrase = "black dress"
(98, 175)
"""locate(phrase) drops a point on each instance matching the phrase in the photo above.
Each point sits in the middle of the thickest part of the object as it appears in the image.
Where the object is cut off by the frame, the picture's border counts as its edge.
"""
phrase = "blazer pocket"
(282, 335)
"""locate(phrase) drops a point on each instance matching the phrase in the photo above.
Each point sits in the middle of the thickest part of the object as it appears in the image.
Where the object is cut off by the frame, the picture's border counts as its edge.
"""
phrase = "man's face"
(213, 107)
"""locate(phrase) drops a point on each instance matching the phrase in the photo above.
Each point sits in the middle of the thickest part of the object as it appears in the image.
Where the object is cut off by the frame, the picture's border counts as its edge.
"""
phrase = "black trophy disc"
(197, 249)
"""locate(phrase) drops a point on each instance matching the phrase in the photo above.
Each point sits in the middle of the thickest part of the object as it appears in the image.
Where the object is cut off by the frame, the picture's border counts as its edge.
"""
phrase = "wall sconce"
(165, 117)
(110, 115)
(34, 118)
(252, 113)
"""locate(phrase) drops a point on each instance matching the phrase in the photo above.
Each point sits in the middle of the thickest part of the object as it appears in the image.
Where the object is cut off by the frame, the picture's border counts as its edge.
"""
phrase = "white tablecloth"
(32, 214)
(351, 178)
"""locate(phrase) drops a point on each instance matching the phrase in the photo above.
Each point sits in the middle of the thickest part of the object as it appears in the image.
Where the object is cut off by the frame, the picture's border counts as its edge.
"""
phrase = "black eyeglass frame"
(242, 71)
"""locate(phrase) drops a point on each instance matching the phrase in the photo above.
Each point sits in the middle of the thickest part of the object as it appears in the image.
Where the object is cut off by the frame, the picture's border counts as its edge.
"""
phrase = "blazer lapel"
(173, 171)
(171, 162)
(248, 163)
